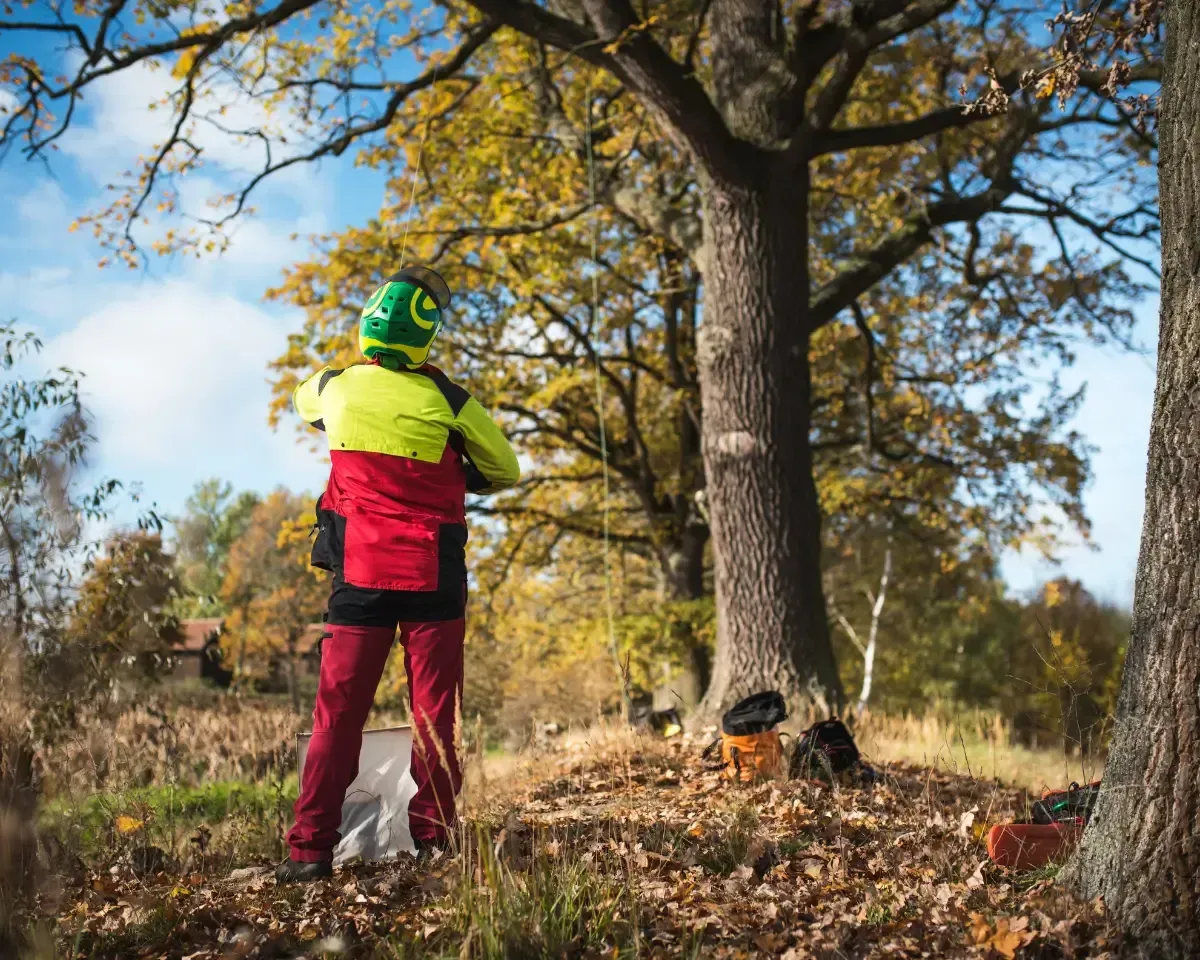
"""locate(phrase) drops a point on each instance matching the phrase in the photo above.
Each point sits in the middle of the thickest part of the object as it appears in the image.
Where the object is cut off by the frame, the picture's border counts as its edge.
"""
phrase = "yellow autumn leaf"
(126, 824)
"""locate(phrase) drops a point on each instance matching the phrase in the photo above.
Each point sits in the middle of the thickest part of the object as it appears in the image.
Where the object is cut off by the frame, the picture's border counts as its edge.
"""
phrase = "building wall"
(187, 666)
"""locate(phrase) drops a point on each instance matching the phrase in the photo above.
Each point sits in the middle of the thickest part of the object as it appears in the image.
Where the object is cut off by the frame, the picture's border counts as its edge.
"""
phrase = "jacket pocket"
(385, 552)
(327, 548)
(452, 555)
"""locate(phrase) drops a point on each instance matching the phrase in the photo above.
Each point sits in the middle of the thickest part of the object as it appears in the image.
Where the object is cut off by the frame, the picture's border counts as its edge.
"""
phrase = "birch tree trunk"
(873, 637)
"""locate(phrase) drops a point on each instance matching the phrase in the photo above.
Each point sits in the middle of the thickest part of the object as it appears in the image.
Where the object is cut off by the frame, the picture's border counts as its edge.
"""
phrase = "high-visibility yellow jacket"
(405, 447)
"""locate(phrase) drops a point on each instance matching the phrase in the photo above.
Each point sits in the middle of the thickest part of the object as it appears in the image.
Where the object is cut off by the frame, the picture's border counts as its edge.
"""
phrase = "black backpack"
(1073, 805)
(665, 723)
(758, 713)
(825, 747)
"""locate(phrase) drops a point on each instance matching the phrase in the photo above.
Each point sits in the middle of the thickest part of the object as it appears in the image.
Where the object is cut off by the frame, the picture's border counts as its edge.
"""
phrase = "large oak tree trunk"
(1141, 852)
(683, 580)
(772, 631)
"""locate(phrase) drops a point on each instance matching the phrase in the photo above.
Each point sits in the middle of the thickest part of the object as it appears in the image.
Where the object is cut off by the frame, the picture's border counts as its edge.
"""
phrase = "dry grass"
(977, 745)
(604, 844)
(554, 846)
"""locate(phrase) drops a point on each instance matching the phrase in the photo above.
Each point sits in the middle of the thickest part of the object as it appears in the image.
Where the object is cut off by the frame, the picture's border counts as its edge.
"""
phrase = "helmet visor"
(428, 281)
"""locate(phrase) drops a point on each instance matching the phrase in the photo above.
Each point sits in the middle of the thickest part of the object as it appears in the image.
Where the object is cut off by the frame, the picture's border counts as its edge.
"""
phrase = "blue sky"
(175, 357)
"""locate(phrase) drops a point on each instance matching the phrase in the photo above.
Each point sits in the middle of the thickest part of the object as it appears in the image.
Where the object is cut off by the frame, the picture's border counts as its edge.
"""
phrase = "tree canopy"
(594, 180)
(270, 590)
(213, 518)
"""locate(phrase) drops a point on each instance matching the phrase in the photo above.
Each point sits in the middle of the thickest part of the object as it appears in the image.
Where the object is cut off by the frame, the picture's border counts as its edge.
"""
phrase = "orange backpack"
(749, 741)
(753, 756)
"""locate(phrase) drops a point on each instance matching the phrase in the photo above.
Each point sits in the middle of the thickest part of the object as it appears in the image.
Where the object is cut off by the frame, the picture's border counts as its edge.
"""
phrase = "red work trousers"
(352, 661)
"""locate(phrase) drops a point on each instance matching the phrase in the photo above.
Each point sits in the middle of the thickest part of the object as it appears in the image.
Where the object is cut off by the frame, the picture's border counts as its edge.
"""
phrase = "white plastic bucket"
(375, 811)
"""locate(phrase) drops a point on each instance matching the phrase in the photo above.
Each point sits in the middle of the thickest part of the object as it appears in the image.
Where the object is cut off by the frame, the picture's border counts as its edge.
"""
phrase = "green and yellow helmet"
(402, 318)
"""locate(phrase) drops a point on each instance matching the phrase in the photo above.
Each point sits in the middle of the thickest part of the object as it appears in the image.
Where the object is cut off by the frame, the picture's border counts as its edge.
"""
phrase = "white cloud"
(260, 245)
(175, 360)
(45, 202)
(175, 377)
(38, 217)
(120, 127)
(35, 291)
(127, 118)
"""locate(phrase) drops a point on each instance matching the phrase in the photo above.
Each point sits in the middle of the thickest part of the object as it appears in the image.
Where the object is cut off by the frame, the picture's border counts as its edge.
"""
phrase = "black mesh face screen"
(427, 280)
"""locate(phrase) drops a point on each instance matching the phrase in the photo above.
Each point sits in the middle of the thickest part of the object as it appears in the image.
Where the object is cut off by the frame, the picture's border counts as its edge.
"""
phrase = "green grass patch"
(732, 844)
(1031, 878)
(791, 846)
(553, 905)
(99, 820)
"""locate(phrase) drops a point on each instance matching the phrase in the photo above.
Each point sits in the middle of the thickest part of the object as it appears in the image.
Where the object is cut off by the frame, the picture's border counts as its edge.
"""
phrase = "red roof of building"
(194, 634)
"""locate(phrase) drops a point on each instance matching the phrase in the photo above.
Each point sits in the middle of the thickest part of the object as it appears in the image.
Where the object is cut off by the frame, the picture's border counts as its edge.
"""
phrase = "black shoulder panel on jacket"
(455, 395)
(325, 378)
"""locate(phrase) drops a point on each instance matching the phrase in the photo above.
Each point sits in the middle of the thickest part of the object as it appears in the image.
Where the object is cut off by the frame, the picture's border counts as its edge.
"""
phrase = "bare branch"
(872, 266)
(16, 26)
(918, 15)
(338, 144)
(622, 45)
(864, 30)
(892, 134)
(572, 523)
(833, 95)
(693, 45)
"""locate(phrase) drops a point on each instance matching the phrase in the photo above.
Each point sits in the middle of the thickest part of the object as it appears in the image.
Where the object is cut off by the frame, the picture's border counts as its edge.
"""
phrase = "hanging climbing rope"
(592, 346)
(416, 170)
(595, 350)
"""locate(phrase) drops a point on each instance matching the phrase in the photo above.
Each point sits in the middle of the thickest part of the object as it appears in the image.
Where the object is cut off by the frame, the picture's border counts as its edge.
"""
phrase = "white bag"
(375, 811)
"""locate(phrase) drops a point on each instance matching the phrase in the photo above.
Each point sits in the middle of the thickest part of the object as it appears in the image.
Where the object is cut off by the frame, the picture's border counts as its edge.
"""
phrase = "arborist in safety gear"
(406, 444)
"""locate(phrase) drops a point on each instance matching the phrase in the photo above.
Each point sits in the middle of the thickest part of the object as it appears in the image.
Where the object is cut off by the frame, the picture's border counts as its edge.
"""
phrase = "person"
(406, 444)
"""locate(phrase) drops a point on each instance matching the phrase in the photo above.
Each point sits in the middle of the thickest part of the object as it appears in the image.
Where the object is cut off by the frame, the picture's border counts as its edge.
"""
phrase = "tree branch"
(865, 29)
(400, 93)
(570, 523)
(653, 213)
(871, 267)
(893, 134)
(622, 45)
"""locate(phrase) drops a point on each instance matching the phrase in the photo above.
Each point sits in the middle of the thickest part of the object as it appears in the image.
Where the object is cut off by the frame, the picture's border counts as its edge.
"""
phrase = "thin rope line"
(416, 173)
(595, 257)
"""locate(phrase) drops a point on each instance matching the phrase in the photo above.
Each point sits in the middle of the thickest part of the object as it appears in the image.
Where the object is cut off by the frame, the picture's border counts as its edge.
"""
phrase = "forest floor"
(621, 848)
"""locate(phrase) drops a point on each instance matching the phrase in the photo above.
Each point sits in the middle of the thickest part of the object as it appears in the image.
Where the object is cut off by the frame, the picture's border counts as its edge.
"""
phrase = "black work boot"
(297, 871)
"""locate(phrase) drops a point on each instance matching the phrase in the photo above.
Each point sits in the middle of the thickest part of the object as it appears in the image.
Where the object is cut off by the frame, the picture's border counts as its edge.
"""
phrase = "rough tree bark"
(755, 383)
(1141, 853)
(684, 580)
